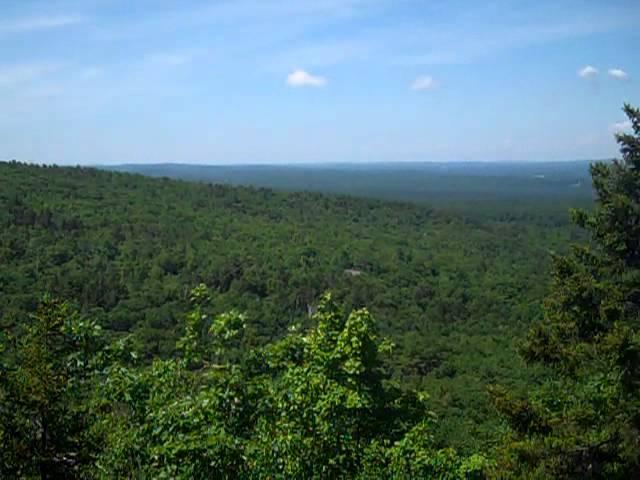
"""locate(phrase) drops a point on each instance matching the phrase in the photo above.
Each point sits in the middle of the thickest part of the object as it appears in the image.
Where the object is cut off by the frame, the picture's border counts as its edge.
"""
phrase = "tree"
(177, 418)
(585, 420)
(45, 381)
(327, 399)
(315, 404)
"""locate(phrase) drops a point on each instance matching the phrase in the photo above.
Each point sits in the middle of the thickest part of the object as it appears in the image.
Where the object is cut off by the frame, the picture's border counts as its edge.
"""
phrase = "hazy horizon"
(326, 164)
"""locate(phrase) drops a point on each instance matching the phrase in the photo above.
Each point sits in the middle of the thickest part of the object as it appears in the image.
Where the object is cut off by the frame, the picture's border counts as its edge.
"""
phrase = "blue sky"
(279, 81)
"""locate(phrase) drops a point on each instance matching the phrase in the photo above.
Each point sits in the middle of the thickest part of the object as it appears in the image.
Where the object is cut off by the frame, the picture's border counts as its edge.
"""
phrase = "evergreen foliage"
(583, 422)
(45, 383)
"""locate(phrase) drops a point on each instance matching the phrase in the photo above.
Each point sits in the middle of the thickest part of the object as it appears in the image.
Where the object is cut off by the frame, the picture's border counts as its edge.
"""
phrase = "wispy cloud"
(173, 52)
(252, 21)
(620, 127)
(424, 82)
(16, 74)
(300, 78)
(461, 39)
(22, 25)
(588, 72)
(618, 74)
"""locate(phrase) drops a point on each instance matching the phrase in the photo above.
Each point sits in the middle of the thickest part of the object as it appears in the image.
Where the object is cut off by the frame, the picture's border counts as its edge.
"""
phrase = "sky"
(295, 81)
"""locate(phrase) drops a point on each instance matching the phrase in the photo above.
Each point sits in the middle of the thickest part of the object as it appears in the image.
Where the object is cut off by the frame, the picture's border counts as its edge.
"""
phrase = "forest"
(503, 190)
(162, 328)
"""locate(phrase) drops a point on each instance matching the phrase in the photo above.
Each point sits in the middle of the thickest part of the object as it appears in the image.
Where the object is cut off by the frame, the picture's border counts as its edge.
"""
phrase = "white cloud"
(300, 78)
(617, 73)
(619, 127)
(588, 72)
(424, 83)
(39, 23)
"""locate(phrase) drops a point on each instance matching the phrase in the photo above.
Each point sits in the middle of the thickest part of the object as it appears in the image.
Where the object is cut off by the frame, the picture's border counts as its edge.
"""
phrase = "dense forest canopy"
(452, 291)
(503, 190)
(112, 366)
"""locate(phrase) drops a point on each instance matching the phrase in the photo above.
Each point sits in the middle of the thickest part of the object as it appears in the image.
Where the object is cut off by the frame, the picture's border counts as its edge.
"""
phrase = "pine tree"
(584, 422)
(45, 380)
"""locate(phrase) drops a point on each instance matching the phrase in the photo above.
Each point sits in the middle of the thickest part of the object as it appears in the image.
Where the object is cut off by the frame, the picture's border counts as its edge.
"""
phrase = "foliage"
(45, 381)
(451, 291)
(315, 404)
(585, 420)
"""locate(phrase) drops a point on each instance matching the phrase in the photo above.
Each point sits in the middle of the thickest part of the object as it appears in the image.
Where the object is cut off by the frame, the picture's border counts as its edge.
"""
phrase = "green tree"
(45, 380)
(315, 404)
(584, 422)
(177, 418)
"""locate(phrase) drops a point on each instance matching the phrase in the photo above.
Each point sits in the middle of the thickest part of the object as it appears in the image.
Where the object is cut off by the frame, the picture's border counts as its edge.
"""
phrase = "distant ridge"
(437, 183)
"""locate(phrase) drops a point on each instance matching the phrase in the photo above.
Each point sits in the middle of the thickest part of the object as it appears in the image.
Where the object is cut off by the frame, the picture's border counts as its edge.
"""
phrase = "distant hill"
(451, 185)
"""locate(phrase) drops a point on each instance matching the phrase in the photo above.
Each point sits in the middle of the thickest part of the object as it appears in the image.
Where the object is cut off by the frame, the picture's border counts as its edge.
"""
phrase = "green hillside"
(451, 292)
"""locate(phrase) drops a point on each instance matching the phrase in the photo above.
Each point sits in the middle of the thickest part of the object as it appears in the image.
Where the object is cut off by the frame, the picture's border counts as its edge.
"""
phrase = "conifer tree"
(45, 380)
(584, 422)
